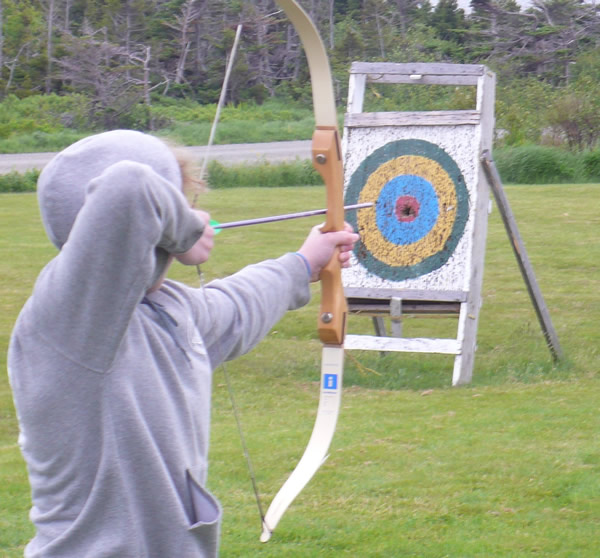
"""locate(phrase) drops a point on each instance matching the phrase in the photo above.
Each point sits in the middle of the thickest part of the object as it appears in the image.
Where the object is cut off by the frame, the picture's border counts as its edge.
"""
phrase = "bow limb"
(327, 160)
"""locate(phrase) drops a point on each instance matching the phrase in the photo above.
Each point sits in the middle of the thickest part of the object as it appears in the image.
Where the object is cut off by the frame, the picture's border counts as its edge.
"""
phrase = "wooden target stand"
(423, 243)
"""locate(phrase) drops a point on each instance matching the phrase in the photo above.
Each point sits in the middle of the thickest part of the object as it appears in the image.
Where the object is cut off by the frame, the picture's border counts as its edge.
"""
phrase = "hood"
(63, 183)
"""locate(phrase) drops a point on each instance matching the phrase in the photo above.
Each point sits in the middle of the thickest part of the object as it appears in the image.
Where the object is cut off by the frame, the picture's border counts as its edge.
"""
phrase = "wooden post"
(522, 258)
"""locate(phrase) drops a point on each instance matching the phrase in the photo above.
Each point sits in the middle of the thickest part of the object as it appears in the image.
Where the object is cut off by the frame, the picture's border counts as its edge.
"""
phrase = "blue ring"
(407, 232)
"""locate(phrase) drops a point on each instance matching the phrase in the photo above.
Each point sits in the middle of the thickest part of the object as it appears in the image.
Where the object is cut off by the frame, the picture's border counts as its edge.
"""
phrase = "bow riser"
(327, 160)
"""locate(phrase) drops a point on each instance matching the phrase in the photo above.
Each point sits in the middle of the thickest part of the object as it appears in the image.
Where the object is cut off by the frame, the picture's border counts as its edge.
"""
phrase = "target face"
(420, 212)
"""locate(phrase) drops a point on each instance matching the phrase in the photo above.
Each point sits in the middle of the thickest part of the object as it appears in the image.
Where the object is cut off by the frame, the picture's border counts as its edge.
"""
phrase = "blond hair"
(192, 183)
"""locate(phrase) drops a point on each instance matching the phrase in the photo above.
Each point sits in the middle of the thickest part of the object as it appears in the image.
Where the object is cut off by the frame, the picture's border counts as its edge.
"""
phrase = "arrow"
(274, 218)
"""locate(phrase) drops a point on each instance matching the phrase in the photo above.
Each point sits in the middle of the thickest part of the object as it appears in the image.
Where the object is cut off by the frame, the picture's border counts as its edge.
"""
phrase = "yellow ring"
(414, 253)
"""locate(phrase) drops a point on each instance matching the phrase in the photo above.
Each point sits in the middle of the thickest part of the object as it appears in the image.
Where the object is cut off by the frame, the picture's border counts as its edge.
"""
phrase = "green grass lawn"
(506, 466)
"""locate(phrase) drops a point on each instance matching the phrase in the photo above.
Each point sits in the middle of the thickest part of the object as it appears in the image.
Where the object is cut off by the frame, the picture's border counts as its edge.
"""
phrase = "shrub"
(43, 113)
(40, 141)
(591, 164)
(535, 164)
(575, 117)
(267, 175)
(17, 182)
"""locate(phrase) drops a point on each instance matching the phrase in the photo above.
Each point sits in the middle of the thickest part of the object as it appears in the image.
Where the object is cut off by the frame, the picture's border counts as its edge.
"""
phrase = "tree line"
(123, 53)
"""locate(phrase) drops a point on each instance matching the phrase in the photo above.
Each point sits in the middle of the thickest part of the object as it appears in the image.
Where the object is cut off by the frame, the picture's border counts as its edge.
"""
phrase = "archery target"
(421, 207)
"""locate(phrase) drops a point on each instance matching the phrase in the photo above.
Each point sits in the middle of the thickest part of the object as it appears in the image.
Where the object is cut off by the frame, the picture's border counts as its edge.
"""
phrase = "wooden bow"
(327, 160)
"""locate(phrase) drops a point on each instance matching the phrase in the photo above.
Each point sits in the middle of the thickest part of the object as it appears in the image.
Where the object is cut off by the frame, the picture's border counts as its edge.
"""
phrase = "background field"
(507, 466)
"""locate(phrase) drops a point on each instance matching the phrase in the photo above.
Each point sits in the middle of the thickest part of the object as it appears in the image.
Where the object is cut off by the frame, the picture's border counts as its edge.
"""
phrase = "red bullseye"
(407, 209)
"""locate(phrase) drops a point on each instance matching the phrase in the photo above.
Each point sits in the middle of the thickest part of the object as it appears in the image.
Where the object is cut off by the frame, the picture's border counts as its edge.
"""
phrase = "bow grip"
(327, 160)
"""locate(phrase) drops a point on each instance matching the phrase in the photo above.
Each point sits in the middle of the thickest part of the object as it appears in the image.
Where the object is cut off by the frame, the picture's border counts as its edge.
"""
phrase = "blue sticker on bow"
(330, 381)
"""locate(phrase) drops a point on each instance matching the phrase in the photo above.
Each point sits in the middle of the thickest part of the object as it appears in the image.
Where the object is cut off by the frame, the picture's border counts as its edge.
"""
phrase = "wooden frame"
(464, 304)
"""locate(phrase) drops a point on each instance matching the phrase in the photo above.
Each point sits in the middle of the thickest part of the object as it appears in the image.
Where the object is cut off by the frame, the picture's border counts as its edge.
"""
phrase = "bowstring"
(234, 407)
(193, 204)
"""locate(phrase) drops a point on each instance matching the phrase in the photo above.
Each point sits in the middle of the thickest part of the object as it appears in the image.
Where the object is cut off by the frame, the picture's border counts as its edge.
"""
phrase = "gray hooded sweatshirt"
(112, 385)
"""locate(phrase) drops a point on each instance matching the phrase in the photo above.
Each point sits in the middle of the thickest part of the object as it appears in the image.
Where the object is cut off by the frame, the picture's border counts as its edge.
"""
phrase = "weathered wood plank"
(424, 118)
(396, 306)
(356, 93)
(408, 294)
(376, 308)
(469, 315)
(379, 325)
(420, 79)
(416, 68)
(402, 344)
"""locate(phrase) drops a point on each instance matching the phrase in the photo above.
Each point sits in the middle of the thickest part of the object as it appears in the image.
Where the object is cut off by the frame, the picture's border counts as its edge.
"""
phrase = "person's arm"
(237, 312)
(234, 313)
(131, 221)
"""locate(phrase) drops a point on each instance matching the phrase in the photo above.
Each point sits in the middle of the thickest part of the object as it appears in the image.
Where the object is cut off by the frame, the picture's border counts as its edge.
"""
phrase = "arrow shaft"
(274, 218)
